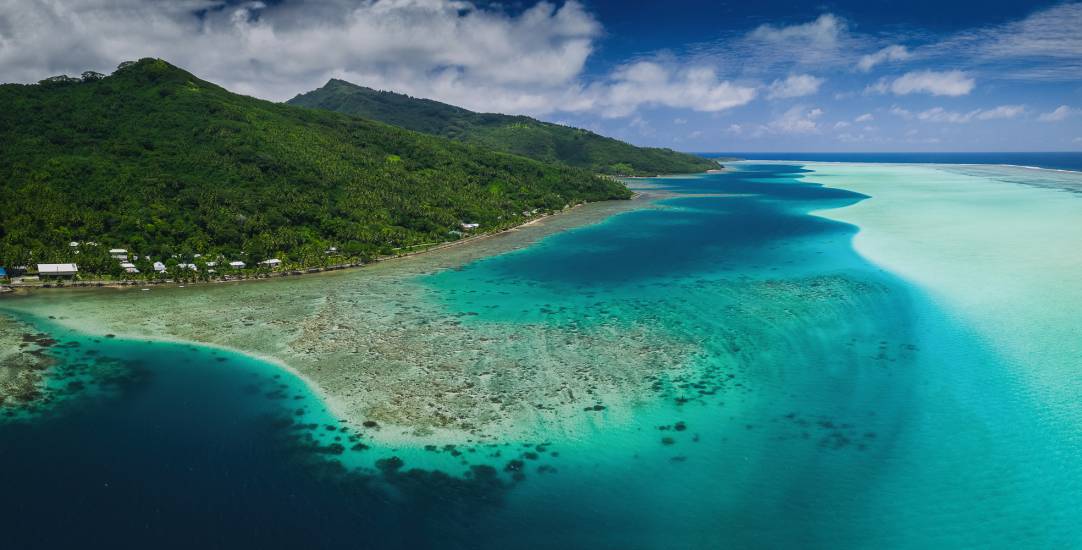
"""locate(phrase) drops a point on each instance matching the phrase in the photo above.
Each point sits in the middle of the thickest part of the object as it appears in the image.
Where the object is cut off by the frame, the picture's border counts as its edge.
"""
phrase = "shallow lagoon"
(711, 371)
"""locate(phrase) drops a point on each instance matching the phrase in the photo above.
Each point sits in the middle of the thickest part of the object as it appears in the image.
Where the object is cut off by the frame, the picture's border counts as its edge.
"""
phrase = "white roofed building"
(57, 270)
(159, 267)
(237, 264)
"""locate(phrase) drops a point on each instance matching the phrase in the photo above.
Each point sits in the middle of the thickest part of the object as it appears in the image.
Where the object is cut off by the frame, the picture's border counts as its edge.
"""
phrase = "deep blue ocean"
(1055, 161)
(824, 409)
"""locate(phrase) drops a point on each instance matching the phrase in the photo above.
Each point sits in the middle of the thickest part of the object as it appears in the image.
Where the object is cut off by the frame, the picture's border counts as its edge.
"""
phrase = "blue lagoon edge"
(822, 401)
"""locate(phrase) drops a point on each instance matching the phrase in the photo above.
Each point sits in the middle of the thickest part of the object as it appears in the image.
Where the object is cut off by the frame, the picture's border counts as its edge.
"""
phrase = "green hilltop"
(157, 161)
(520, 135)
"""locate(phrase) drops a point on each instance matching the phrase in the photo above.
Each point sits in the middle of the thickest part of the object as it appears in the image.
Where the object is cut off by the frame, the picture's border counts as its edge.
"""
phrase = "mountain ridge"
(517, 134)
(162, 163)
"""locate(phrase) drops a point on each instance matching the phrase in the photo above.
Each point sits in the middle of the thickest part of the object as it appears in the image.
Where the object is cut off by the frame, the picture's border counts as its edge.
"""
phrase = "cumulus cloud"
(824, 42)
(442, 48)
(944, 83)
(1059, 113)
(797, 85)
(469, 54)
(898, 111)
(797, 120)
(866, 117)
(939, 114)
(890, 53)
(820, 40)
(652, 83)
(1003, 111)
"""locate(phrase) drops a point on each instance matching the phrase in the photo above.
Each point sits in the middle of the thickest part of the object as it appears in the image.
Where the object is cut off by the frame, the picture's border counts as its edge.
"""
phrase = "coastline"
(290, 346)
(17, 289)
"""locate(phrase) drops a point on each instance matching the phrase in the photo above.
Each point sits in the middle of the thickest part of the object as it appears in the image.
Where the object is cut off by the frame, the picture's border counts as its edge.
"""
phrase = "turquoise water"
(1064, 160)
(825, 403)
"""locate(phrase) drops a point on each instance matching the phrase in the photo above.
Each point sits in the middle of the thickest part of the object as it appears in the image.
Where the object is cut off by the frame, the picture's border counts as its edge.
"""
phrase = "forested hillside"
(520, 135)
(157, 161)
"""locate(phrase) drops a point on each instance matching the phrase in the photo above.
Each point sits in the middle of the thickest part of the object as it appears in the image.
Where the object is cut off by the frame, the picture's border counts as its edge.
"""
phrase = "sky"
(693, 75)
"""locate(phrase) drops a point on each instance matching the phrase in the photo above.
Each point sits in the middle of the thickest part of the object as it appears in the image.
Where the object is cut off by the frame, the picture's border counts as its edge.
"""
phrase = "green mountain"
(157, 161)
(520, 135)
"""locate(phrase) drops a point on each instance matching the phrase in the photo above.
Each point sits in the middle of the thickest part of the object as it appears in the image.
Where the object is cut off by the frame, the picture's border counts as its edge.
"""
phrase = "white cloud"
(797, 120)
(939, 114)
(768, 49)
(797, 85)
(840, 124)
(941, 83)
(1059, 113)
(866, 117)
(889, 53)
(1046, 45)
(679, 120)
(474, 55)
(880, 86)
(898, 111)
(652, 83)
(1003, 111)
(823, 32)
(450, 50)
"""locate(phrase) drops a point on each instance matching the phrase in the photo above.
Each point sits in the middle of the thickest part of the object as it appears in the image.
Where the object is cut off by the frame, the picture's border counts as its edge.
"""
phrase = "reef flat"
(22, 363)
(392, 344)
(675, 373)
(378, 350)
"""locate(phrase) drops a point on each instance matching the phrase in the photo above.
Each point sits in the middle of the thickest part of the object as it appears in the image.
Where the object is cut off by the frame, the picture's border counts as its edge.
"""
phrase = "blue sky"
(694, 75)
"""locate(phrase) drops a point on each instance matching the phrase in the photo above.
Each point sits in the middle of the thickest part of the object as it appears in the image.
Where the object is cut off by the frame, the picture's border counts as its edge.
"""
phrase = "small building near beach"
(469, 226)
(237, 264)
(119, 254)
(129, 267)
(271, 263)
(159, 267)
(57, 270)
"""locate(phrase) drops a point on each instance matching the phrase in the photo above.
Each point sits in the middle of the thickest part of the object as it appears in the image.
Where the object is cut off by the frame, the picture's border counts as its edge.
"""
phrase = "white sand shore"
(999, 250)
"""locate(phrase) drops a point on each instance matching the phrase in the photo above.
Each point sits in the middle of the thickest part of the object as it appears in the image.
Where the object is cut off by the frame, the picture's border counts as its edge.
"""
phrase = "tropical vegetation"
(156, 161)
(520, 135)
